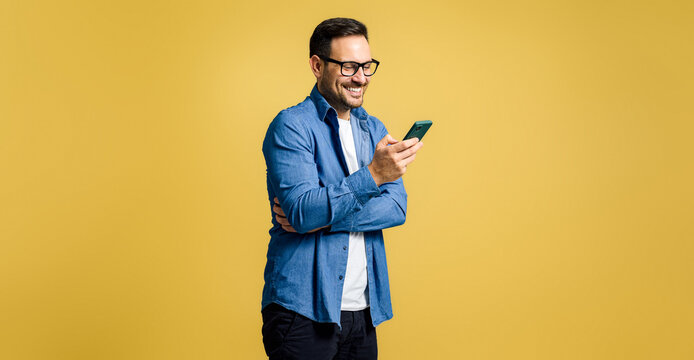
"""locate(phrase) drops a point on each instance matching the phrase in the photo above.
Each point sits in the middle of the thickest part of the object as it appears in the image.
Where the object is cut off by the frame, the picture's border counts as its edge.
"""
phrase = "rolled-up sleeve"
(293, 176)
(388, 209)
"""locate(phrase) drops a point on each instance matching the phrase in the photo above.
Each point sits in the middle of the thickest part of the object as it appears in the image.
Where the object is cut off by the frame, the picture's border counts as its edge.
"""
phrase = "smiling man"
(334, 182)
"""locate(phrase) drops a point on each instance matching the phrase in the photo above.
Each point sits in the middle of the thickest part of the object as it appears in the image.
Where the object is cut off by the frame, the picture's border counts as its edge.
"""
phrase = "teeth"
(354, 89)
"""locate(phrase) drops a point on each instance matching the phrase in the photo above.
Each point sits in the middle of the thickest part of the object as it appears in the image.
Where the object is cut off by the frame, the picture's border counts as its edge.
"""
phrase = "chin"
(353, 104)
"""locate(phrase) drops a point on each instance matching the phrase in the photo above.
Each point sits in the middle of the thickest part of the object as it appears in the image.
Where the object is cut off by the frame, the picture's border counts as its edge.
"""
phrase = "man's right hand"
(390, 162)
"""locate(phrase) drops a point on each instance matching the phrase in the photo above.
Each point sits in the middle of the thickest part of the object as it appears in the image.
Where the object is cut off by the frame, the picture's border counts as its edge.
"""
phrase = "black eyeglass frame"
(359, 65)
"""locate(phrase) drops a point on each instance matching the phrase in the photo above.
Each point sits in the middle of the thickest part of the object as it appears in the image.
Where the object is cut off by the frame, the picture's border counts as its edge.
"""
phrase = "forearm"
(387, 210)
(308, 207)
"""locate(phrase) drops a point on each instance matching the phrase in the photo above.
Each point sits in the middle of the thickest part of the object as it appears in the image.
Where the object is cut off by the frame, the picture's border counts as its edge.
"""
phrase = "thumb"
(391, 140)
(383, 142)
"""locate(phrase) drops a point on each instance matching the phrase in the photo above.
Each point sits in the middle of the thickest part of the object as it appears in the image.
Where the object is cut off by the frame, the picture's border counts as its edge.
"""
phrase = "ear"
(316, 66)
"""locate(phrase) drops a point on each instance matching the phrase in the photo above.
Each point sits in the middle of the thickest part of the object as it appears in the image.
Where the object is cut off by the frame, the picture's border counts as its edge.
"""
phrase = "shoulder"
(291, 128)
(296, 117)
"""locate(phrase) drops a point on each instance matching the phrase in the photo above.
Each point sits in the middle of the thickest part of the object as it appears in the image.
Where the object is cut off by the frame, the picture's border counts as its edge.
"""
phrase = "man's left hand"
(282, 218)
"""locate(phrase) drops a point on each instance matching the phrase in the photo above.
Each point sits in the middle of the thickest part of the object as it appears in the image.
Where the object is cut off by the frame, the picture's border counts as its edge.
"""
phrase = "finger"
(411, 142)
(278, 210)
(391, 140)
(288, 228)
(409, 151)
(316, 229)
(406, 161)
(405, 144)
(383, 142)
(277, 201)
(282, 220)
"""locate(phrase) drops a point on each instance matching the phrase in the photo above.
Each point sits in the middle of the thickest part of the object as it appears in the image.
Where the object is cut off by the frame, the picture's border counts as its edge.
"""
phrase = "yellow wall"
(550, 211)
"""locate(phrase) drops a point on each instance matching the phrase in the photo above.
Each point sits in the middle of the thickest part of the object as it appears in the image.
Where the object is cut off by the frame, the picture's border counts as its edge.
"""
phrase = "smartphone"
(418, 129)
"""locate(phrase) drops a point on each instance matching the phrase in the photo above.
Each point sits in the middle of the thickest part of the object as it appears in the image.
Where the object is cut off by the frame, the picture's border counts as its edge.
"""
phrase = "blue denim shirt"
(307, 171)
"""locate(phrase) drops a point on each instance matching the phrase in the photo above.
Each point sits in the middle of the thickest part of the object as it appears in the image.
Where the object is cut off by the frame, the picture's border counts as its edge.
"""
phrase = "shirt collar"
(324, 109)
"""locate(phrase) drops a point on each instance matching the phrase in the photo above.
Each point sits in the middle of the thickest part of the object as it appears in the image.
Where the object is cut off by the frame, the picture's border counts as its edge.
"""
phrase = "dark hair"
(332, 28)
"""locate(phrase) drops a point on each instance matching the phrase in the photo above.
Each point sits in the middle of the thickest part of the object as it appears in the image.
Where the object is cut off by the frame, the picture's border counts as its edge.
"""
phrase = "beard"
(337, 99)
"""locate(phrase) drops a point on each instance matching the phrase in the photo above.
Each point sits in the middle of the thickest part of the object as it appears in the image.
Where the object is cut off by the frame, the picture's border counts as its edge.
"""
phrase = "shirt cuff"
(363, 185)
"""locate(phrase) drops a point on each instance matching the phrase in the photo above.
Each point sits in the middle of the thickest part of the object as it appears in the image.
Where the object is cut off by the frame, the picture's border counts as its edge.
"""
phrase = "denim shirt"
(307, 172)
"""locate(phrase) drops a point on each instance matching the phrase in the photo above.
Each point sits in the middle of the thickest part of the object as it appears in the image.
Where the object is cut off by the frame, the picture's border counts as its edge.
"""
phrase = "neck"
(344, 115)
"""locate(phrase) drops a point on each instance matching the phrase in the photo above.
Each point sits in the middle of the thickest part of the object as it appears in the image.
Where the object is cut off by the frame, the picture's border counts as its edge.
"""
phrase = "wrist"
(377, 179)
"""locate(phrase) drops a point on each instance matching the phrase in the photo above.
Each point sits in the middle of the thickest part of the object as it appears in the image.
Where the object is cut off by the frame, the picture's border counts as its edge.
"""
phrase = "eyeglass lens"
(351, 68)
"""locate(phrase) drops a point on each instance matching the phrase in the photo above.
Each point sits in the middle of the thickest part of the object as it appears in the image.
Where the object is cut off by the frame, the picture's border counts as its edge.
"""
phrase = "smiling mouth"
(355, 91)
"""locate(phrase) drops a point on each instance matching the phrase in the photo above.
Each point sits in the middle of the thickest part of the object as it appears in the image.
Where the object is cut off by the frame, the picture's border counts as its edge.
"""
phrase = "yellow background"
(550, 211)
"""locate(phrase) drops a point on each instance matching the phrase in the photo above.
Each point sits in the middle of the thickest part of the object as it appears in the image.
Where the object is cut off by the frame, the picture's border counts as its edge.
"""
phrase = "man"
(334, 182)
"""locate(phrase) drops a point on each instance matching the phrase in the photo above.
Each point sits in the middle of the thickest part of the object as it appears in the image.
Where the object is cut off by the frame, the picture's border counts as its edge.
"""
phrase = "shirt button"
(341, 277)
(344, 248)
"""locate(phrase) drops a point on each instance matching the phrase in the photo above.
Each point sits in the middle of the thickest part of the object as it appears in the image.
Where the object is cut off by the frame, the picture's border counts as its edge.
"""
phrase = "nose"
(359, 77)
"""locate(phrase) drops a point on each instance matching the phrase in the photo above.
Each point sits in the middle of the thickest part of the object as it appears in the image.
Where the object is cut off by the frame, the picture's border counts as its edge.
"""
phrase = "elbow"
(399, 214)
(302, 216)
(400, 209)
(299, 221)
(300, 227)
(400, 218)
(296, 223)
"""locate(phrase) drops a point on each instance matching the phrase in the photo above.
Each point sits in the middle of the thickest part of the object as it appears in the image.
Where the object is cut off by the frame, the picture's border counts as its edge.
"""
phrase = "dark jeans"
(288, 335)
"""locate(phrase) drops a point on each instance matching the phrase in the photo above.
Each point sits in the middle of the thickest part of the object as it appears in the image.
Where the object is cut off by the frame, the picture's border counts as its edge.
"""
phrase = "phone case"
(418, 129)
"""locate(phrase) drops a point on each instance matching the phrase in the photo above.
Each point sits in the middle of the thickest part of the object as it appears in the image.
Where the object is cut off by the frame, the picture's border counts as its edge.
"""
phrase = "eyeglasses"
(350, 68)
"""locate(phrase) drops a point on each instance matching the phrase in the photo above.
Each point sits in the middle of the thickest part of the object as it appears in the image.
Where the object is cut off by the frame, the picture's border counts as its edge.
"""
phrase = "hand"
(282, 219)
(390, 162)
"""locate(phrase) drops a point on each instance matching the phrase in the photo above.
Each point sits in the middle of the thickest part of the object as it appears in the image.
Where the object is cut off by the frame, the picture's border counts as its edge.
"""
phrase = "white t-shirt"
(355, 296)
